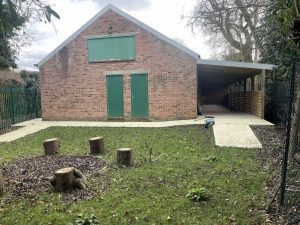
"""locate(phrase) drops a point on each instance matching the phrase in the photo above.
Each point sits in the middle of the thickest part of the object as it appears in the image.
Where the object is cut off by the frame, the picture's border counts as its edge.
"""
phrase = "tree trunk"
(247, 54)
(297, 6)
(67, 179)
(295, 126)
(1, 184)
(97, 145)
(124, 156)
(51, 146)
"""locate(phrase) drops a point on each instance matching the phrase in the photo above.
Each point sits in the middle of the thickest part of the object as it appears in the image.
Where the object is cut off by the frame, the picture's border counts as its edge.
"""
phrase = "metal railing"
(17, 105)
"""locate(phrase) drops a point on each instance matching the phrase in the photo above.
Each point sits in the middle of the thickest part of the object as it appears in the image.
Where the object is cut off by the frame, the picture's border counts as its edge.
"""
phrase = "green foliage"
(31, 78)
(14, 14)
(10, 23)
(84, 219)
(211, 158)
(198, 194)
(277, 45)
(7, 55)
(279, 48)
(10, 19)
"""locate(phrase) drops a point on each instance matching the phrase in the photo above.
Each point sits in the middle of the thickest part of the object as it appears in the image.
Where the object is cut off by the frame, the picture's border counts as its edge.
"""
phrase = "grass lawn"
(149, 192)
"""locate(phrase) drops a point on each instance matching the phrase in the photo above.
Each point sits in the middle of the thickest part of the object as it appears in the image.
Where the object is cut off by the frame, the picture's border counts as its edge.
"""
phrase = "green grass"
(149, 192)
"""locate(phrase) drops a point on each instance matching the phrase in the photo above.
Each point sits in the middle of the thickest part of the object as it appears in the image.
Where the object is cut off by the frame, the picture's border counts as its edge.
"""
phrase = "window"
(111, 48)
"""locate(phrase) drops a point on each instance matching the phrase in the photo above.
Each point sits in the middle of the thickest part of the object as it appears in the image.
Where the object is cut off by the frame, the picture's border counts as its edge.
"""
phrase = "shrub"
(83, 219)
(211, 158)
(198, 194)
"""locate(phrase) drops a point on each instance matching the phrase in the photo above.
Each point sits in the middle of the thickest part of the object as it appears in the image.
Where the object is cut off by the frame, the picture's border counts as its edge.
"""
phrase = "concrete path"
(230, 129)
(33, 126)
(233, 129)
(28, 127)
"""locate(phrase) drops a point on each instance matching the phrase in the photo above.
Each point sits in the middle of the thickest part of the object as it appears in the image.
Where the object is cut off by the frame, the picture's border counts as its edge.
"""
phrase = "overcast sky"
(162, 15)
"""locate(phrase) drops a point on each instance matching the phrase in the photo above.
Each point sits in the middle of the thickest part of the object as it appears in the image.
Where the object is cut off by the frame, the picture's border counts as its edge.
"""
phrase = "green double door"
(115, 102)
(139, 96)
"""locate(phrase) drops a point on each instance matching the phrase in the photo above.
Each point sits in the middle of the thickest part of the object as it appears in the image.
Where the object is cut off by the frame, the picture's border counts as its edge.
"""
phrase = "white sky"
(162, 15)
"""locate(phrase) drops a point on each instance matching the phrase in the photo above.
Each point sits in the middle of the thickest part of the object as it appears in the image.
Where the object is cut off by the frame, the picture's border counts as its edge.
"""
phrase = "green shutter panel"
(139, 95)
(115, 102)
(112, 48)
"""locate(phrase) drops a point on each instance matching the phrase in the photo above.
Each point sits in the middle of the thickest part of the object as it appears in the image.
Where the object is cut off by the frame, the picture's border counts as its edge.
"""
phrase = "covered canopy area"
(237, 86)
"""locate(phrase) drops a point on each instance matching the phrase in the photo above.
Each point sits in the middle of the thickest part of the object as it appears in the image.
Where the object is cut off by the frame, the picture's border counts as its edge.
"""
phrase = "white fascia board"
(128, 17)
(236, 64)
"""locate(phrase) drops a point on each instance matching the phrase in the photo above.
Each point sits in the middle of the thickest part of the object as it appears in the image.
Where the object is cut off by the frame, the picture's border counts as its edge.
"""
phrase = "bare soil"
(25, 178)
(273, 141)
(9, 130)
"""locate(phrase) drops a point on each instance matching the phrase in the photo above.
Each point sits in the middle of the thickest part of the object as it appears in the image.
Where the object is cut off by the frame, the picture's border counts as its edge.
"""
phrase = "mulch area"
(25, 178)
(273, 141)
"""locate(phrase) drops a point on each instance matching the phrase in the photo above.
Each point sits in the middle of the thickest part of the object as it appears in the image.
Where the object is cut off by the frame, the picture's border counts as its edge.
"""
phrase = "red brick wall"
(73, 89)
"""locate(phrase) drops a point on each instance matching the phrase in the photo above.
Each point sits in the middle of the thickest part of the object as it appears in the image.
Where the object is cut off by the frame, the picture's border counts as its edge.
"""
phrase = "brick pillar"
(127, 96)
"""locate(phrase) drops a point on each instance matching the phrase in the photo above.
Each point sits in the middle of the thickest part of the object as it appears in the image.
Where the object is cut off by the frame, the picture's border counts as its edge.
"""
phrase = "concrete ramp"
(235, 135)
(232, 129)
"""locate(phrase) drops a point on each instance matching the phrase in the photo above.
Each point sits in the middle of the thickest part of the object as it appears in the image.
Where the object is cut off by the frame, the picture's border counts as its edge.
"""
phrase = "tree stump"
(97, 145)
(51, 146)
(124, 156)
(67, 179)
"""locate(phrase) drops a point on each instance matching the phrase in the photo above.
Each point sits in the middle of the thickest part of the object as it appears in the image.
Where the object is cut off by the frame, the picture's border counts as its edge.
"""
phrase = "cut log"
(64, 178)
(51, 146)
(124, 156)
(97, 145)
(67, 179)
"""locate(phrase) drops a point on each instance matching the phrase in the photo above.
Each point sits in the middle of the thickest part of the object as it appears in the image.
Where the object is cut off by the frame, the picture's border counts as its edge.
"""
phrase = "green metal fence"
(17, 105)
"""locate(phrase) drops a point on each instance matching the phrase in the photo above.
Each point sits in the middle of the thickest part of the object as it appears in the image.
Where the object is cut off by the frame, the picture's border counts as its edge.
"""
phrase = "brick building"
(117, 67)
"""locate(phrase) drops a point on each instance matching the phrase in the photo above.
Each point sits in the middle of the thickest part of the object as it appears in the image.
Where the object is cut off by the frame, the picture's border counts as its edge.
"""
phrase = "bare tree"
(235, 21)
(294, 147)
(16, 18)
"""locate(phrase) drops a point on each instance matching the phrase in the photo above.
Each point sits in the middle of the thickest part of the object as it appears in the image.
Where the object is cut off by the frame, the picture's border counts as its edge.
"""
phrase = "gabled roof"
(128, 17)
(236, 64)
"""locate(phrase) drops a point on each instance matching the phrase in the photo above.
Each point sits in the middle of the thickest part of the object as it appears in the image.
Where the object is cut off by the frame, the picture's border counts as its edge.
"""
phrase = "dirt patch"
(4, 131)
(25, 178)
(273, 141)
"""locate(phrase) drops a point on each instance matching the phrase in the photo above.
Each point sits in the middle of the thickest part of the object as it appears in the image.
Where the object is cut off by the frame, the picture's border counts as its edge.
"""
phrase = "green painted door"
(139, 95)
(115, 102)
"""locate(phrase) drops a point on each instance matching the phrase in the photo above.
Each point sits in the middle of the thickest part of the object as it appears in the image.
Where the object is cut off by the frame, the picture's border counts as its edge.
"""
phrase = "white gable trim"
(128, 17)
